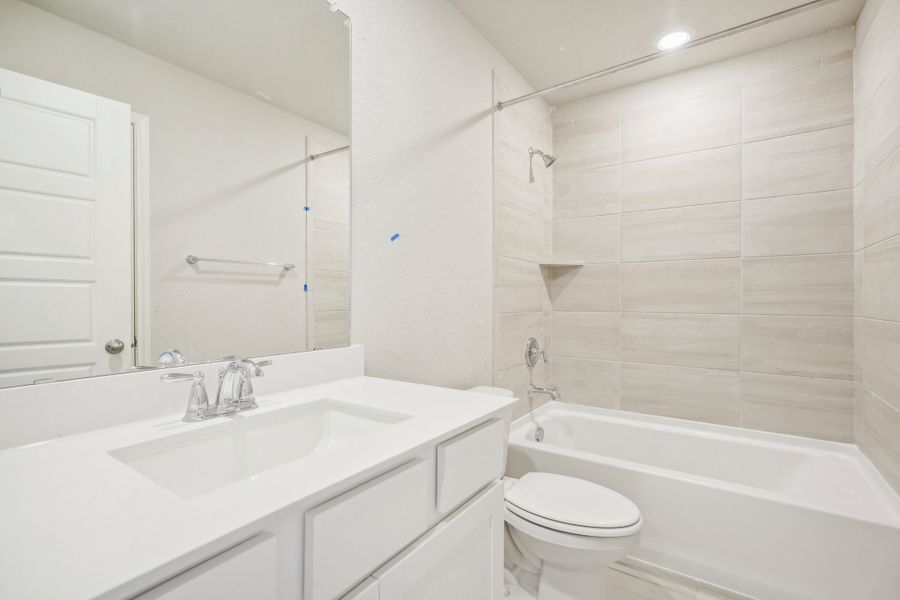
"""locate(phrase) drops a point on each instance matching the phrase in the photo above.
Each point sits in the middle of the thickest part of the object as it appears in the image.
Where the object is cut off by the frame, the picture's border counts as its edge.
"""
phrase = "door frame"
(140, 190)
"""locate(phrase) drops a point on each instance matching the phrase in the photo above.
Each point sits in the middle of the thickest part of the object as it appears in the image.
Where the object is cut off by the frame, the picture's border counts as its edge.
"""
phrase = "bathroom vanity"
(358, 488)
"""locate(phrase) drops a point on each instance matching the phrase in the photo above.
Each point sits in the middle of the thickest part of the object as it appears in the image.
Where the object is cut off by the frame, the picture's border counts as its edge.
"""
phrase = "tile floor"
(631, 581)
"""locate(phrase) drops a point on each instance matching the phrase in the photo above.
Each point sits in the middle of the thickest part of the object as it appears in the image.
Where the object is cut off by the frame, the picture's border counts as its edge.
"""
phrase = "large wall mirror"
(174, 183)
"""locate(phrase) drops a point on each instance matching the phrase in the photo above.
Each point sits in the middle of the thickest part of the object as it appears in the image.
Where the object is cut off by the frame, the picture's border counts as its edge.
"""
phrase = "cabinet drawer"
(349, 536)
(468, 462)
(247, 570)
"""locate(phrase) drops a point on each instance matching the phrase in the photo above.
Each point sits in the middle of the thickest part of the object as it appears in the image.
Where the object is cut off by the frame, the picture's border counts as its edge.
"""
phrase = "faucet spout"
(235, 389)
(533, 391)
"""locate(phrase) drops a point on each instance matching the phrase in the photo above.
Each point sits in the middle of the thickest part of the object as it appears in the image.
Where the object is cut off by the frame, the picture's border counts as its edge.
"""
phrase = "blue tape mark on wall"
(306, 208)
(395, 236)
(305, 287)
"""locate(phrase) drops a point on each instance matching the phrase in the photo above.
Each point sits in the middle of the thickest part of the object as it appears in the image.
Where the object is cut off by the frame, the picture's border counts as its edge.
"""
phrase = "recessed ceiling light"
(673, 40)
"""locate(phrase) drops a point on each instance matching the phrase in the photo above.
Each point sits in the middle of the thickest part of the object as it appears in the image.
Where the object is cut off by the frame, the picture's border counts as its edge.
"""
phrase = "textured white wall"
(422, 167)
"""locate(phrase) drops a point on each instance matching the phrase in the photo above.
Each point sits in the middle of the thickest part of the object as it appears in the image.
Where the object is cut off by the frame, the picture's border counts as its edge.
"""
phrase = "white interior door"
(65, 231)
(462, 557)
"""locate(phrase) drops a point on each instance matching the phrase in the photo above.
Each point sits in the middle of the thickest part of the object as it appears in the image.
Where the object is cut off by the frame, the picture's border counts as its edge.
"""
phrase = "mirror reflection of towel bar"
(193, 260)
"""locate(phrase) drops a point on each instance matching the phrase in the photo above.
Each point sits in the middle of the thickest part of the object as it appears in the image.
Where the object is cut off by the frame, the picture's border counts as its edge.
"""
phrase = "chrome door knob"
(115, 346)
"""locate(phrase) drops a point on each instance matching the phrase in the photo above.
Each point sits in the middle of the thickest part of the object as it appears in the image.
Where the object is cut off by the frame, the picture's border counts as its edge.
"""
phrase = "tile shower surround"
(744, 268)
(717, 233)
(877, 236)
(523, 227)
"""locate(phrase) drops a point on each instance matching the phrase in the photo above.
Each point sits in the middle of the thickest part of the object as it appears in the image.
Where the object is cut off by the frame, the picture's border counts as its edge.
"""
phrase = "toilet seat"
(572, 506)
(568, 529)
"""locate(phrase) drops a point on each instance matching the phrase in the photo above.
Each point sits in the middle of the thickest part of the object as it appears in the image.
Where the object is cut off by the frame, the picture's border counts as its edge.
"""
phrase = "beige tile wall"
(329, 252)
(877, 235)
(717, 228)
(523, 230)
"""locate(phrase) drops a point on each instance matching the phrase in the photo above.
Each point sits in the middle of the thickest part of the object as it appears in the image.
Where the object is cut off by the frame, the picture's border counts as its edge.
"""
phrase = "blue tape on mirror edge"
(395, 236)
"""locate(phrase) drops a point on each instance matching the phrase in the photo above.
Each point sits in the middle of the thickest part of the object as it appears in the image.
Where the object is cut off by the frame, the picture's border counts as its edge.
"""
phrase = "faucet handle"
(255, 368)
(533, 351)
(198, 401)
(176, 377)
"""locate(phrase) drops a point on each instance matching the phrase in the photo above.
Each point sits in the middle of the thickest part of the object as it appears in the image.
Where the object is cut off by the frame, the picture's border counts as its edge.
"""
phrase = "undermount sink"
(196, 462)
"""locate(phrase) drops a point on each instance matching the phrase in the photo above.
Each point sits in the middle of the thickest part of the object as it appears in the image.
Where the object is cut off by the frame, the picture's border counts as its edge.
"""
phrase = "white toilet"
(565, 531)
(562, 532)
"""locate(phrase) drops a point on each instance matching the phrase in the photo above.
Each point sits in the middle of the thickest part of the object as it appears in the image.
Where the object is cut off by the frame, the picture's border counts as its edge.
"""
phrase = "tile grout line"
(796, 133)
(621, 251)
(699, 205)
(741, 266)
(740, 142)
(648, 313)
(890, 238)
(612, 361)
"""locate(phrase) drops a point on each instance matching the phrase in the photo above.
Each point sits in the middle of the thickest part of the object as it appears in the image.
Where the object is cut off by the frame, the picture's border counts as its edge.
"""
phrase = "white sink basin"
(196, 462)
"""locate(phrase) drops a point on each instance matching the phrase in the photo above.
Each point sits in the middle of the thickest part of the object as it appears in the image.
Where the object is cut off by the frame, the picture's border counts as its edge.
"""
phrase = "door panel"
(45, 139)
(65, 231)
(55, 226)
(44, 311)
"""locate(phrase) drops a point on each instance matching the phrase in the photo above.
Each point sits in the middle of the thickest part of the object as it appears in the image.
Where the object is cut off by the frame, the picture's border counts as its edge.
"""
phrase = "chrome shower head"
(548, 160)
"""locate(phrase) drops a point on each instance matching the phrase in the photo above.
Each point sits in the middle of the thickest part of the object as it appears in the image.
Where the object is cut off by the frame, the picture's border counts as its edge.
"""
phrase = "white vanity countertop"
(77, 523)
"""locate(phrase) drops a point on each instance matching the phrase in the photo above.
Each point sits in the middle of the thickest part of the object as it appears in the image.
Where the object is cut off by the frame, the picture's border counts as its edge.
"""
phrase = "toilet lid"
(572, 501)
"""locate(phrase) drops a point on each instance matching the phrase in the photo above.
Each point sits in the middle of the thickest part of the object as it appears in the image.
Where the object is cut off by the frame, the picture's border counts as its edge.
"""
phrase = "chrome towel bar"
(193, 260)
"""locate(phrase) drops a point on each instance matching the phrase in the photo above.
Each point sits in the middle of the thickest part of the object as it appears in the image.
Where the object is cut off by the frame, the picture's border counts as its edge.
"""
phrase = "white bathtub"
(767, 515)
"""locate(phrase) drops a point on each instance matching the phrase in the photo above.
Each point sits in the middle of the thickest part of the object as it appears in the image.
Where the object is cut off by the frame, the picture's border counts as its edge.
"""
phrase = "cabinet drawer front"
(468, 462)
(348, 536)
(247, 570)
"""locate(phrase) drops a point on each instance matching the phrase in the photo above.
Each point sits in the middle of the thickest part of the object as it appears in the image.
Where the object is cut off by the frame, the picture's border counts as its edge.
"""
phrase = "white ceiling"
(551, 41)
(296, 52)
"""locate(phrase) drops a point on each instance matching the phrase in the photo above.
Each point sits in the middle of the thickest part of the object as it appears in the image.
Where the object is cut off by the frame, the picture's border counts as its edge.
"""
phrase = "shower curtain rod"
(328, 153)
(790, 12)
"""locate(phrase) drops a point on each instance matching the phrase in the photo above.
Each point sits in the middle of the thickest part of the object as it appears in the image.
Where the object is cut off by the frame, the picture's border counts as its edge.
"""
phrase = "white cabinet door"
(461, 558)
(247, 571)
(65, 231)
(350, 535)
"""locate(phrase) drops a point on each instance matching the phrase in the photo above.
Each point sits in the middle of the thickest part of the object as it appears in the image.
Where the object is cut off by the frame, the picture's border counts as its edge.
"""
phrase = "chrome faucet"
(533, 391)
(533, 352)
(198, 403)
(235, 390)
